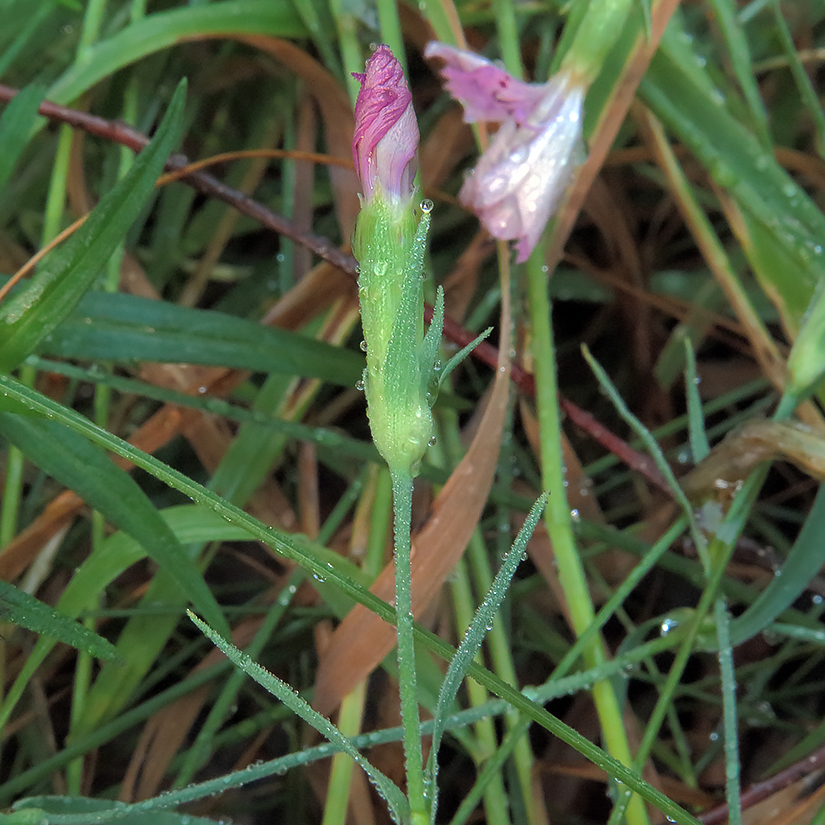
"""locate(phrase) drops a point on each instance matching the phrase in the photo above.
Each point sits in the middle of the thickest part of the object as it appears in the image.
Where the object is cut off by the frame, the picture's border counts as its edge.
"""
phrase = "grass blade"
(20, 608)
(68, 272)
(15, 129)
(732, 784)
(384, 785)
(83, 467)
(119, 327)
(471, 643)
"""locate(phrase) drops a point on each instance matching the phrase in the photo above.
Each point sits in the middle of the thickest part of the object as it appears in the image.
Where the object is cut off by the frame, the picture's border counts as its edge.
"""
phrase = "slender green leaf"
(462, 354)
(471, 643)
(805, 559)
(51, 809)
(733, 787)
(84, 468)
(653, 448)
(164, 29)
(20, 608)
(699, 445)
(396, 800)
(70, 270)
(119, 327)
(294, 550)
(15, 128)
(793, 225)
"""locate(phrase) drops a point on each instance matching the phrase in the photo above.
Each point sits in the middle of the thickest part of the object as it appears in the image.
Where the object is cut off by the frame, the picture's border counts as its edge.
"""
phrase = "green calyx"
(403, 372)
(389, 243)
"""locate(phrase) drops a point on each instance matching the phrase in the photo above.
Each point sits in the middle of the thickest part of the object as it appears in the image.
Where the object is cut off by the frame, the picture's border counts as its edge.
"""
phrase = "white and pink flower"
(520, 179)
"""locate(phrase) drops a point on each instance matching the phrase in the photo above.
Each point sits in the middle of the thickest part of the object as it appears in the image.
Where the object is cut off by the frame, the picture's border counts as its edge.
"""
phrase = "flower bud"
(389, 242)
(386, 132)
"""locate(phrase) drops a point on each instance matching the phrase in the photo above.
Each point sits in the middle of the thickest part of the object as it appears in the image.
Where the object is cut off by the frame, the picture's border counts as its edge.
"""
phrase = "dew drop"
(433, 441)
(359, 385)
(426, 206)
(667, 626)
(363, 346)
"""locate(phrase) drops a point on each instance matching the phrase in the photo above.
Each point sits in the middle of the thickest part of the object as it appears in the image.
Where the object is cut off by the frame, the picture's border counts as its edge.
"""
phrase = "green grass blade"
(190, 524)
(119, 327)
(696, 421)
(738, 163)
(70, 270)
(164, 29)
(20, 608)
(807, 92)
(16, 126)
(461, 355)
(51, 810)
(432, 340)
(653, 448)
(471, 643)
(384, 785)
(725, 14)
(83, 467)
(732, 767)
(331, 439)
(803, 563)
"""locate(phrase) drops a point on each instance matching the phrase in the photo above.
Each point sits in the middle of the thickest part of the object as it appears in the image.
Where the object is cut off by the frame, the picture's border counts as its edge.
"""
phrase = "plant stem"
(558, 520)
(402, 489)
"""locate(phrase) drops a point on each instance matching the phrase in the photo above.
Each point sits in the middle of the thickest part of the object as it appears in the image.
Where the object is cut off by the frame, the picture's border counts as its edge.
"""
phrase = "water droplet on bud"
(426, 206)
(363, 346)
(359, 385)
(433, 441)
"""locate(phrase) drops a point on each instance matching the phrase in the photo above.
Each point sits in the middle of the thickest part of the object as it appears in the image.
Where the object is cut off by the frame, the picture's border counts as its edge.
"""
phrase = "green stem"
(402, 489)
(390, 25)
(558, 520)
(507, 29)
(595, 37)
(347, 25)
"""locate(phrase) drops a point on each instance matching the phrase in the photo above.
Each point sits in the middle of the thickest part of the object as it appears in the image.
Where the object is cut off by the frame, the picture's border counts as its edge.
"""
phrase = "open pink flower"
(522, 176)
(386, 131)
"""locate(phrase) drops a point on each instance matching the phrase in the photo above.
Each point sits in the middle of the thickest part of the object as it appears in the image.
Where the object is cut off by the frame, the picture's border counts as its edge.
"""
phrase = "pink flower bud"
(386, 131)
(520, 179)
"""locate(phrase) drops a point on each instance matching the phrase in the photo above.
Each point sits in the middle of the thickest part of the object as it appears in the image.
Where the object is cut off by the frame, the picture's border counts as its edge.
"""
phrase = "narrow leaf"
(20, 608)
(471, 643)
(384, 785)
(120, 327)
(15, 128)
(63, 809)
(429, 349)
(461, 355)
(802, 564)
(70, 270)
(84, 468)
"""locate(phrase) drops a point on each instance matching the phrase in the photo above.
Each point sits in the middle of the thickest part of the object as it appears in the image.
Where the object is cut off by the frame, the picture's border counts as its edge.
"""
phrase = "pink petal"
(386, 131)
(486, 91)
(521, 178)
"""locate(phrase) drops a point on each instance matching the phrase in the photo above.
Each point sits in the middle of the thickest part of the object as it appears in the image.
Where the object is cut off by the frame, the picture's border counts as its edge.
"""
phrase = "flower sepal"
(400, 359)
